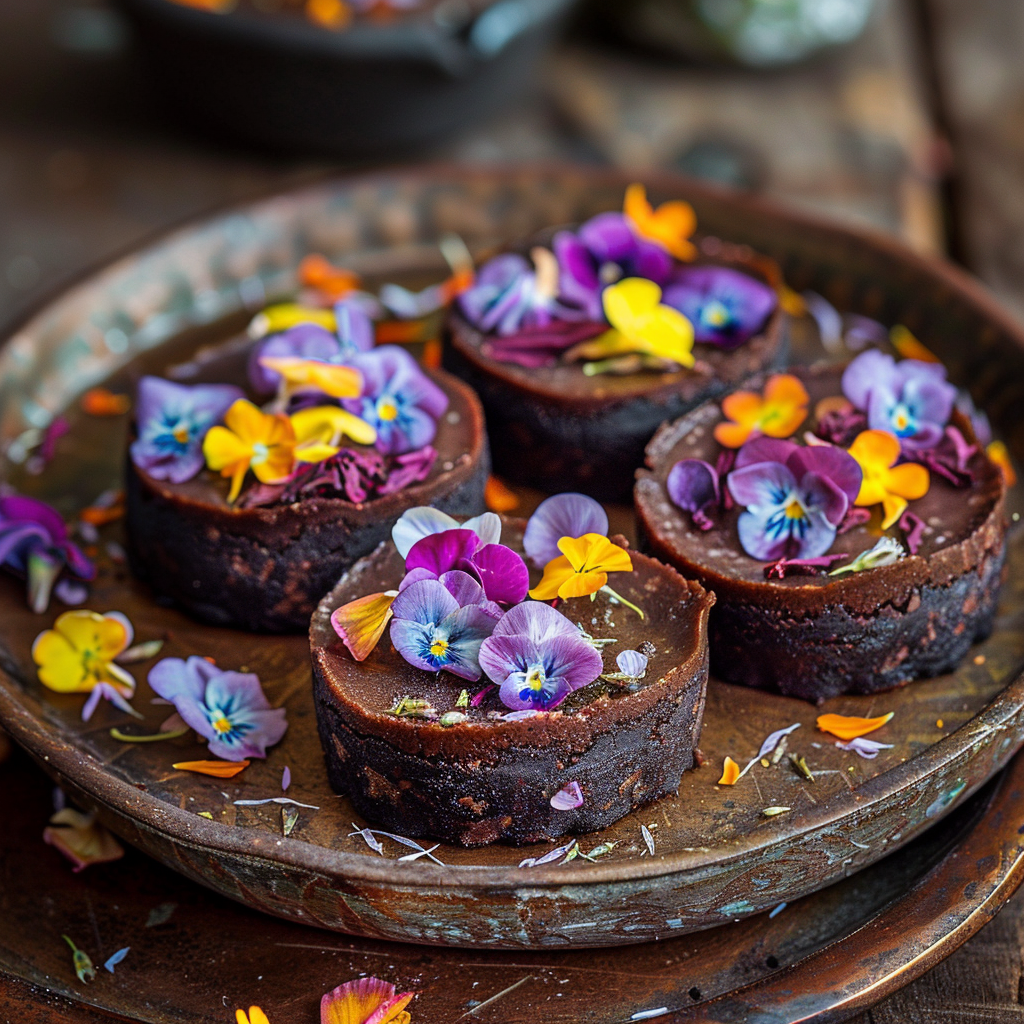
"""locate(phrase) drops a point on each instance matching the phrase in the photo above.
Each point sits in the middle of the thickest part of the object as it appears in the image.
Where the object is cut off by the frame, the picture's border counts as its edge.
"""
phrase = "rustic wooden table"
(917, 130)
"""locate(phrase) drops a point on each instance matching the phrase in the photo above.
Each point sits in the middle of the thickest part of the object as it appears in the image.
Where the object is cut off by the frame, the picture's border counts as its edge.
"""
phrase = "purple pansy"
(795, 497)
(725, 307)
(172, 420)
(229, 709)
(433, 631)
(537, 657)
(34, 543)
(562, 515)
(604, 250)
(398, 399)
(693, 485)
(911, 399)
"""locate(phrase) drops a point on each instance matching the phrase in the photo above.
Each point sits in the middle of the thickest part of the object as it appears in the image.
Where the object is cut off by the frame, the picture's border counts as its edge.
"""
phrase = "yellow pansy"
(670, 226)
(582, 568)
(318, 432)
(79, 652)
(885, 483)
(778, 412)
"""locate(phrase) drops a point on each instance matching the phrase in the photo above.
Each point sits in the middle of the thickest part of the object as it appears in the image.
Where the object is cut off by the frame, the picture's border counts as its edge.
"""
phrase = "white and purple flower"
(562, 515)
(423, 521)
(911, 399)
(537, 657)
(172, 420)
(228, 709)
(725, 306)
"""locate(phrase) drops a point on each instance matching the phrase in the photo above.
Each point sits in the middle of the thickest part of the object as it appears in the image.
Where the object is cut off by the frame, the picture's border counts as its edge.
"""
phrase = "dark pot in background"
(369, 90)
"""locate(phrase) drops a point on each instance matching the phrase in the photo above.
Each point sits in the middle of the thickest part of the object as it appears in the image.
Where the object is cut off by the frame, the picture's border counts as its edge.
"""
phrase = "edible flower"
(562, 515)
(499, 497)
(254, 1016)
(34, 543)
(420, 522)
(285, 315)
(435, 630)
(887, 551)
(725, 307)
(582, 568)
(365, 1001)
(730, 772)
(251, 439)
(778, 412)
(632, 664)
(398, 399)
(537, 657)
(361, 622)
(79, 652)
(173, 420)
(693, 486)
(670, 225)
(877, 452)
(313, 375)
(228, 709)
(500, 571)
(910, 399)
(641, 324)
(81, 838)
(910, 347)
(850, 727)
(319, 431)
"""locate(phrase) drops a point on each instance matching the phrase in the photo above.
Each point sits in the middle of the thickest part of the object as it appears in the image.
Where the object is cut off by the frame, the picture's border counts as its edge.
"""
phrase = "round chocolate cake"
(430, 754)
(846, 557)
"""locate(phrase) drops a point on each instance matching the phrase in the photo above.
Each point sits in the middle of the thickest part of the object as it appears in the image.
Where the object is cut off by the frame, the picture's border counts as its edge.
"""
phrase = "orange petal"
(909, 480)
(732, 435)
(742, 407)
(730, 773)
(362, 1002)
(329, 13)
(785, 389)
(849, 728)
(783, 421)
(556, 572)
(875, 448)
(360, 623)
(582, 584)
(893, 506)
(81, 839)
(432, 353)
(218, 769)
(101, 402)
(999, 454)
(498, 497)
(316, 272)
(909, 347)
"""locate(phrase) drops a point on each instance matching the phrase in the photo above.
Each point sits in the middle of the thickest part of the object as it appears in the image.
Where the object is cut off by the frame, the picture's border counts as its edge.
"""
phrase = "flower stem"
(124, 737)
(618, 597)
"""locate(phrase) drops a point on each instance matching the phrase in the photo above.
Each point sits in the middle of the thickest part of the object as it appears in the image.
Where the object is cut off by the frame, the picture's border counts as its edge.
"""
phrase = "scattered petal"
(289, 819)
(161, 914)
(81, 839)
(849, 727)
(140, 652)
(730, 773)
(274, 800)
(865, 747)
(82, 963)
(286, 778)
(217, 769)
(648, 839)
(103, 402)
(365, 1001)
(113, 961)
(771, 812)
(499, 497)
(568, 798)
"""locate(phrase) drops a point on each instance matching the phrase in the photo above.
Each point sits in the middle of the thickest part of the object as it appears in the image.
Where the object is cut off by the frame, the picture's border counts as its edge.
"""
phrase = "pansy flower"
(725, 307)
(78, 653)
(885, 482)
(500, 571)
(562, 515)
(34, 543)
(366, 1001)
(582, 567)
(228, 709)
(398, 399)
(423, 521)
(537, 657)
(669, 226)
(777, 412)
(911, 399)
(172, 421)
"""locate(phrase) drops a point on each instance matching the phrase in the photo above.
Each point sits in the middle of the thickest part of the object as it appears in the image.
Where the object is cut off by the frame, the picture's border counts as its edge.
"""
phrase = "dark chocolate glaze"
(556, 429)
(264, 569)
(486, 780)
(818, 636)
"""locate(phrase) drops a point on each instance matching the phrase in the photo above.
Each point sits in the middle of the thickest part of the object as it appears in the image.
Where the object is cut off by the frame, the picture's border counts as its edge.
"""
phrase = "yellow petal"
(909, 480)
(277, 466)
(222, 448)
(331, 379)
(60, 665)
(594, 551)
(875, 449)
(360, 623)
(909, 347)
(730, 773)
(893, 506)
(628, 301)
(666, 333)
(849, 728)
(356, 1001)
(582, 584)
(556, 572)
(328, 423)
(315, 451)
(1000, 455)
(237, 473)
(248, 421)
(218, 769)
(282, 317)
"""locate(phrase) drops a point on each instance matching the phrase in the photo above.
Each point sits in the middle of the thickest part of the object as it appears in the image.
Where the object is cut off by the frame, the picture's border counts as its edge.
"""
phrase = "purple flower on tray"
(537, 657)
(911, 399)
(399, 400)
(432, 630)
(172, 421)
(693, 485)
(34, 543)
(604, 250)
(795, 497)
(725, 307)
(228, 709)
(562, 515)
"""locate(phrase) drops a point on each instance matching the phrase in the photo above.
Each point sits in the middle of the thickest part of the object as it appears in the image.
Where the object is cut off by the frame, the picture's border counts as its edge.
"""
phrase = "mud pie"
(246, 514)
(452, 705)
(851, 529)
(612, 330)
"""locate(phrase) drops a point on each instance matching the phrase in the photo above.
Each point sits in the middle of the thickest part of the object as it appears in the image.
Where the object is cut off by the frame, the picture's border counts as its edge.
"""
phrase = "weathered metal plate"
(717, 857)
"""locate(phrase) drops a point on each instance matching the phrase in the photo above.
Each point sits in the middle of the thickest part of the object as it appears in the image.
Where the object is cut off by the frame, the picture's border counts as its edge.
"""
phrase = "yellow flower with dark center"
(885, 483)
(582, 568)
(79, 652)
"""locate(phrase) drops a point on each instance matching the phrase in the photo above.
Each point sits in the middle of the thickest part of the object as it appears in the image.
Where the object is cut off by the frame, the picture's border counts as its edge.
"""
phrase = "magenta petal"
(562, 515)
(568, 798)
(692, 484)
(442, 551)
(830, 462)
(765, 449)
(502, 572)
(821, 493)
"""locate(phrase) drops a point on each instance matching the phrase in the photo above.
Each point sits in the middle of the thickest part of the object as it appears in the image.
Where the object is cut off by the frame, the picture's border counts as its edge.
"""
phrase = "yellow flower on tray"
(582, 568)
(318, 431)
(669, 226)
(778, 412)
(79, 652)
(884, 482)
(251, 439)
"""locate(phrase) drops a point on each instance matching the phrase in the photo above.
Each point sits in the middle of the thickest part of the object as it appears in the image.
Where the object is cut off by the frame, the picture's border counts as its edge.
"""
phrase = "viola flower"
(793, 507)
(877, 452)
(693, 485)
(420, 522)
(911, 399)
(582, 568)
(670, 226)
(562, 515)
(79, 652)
(605, 250)
(172, 422)
(640, 324)
(778, 412)
(725, 307)
(537, 657)
(432, 631)
(319, 432)
(499, 570)
(228, 709)
(361, 623)
(398, 399)
(34, 543)
(366, 1001)
(251, 439)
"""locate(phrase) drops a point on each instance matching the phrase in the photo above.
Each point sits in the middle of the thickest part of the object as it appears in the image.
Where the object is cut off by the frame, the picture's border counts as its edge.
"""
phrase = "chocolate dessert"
(858, 547)
(612, 331)
(458, 757)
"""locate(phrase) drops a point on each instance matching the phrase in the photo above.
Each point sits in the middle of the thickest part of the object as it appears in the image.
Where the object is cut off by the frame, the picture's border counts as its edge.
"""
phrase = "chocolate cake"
(532, 350)
(888, 593)
(416, 759)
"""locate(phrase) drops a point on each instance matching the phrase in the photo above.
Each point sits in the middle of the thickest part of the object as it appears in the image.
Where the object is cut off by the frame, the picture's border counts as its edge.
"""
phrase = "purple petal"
(536, 620)
(21, 507)
(565, 662)
(563, 515)
(463, 587)
(765, 449)
(443, 551)
(762, 485)
(502, 572)
(865, 747)
(631, 663)
(416, 576)
(609, 238)
(865, 372)
(426, 602)
(568, 798)
(913, 527)
(726, 307)
(832, 463)
(174, 679)
(519, 716)
(820, 493)
(773, 740)
(578, 280)
(354, 327)
(286, 778)
(17, 539)
(692, 484)
(304, 341)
